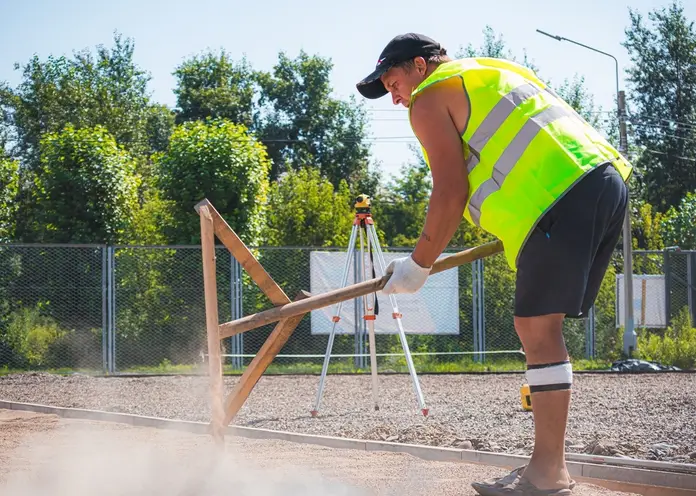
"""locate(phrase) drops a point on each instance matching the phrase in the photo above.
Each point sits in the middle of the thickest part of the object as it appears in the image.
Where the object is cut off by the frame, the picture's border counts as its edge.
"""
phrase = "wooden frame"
(286, 313)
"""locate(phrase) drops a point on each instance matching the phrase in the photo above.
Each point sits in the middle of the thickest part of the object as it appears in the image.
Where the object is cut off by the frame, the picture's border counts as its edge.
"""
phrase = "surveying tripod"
(364, 226)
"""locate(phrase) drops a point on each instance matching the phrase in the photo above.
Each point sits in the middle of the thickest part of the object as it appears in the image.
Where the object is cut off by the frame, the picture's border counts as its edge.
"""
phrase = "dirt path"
(43, 454)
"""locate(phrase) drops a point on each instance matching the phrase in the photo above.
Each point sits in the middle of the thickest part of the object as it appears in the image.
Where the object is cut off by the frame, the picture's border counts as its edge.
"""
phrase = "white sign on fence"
(648, 300)
(432, 310)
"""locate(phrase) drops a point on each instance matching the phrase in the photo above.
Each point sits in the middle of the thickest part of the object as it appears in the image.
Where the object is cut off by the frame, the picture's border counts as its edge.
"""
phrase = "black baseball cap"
(400, 49)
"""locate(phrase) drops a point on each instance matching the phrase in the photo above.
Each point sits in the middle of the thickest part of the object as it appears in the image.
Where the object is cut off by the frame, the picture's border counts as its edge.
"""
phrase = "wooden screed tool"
(287, 313)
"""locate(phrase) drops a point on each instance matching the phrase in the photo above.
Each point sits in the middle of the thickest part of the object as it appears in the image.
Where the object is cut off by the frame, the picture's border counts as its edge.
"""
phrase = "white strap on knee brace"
(549, 376)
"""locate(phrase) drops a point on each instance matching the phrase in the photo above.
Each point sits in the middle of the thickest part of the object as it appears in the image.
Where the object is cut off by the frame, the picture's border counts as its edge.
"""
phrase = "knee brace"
(549, 376)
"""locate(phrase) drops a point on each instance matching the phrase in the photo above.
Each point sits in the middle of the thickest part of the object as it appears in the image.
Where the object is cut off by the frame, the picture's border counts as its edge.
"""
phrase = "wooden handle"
(348, 292)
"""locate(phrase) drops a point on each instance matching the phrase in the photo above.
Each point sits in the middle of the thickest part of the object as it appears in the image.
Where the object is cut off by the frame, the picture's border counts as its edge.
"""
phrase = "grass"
(423, 365)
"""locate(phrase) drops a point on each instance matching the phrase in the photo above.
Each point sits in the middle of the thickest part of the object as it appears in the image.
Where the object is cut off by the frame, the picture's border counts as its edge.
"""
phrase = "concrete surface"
(45, 454)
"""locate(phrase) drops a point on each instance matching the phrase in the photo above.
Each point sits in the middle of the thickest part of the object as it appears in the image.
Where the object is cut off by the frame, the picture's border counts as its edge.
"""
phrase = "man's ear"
(421, 65)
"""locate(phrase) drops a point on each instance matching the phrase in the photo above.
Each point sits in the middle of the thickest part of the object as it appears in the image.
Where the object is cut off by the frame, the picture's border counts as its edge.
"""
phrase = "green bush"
(31, 335)
(676, 346)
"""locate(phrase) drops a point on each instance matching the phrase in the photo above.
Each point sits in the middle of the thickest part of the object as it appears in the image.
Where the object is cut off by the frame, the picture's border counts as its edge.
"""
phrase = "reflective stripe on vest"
(512, 153)
(495, 118)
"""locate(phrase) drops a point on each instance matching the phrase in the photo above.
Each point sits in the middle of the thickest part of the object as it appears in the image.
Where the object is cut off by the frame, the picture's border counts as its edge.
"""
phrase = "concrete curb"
(661, 478)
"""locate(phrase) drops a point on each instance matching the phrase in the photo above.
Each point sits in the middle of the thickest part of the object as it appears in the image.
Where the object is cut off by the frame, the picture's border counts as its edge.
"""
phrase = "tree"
(662, 79)
(303, 125)
(577, 96)
(495, 48)
(9, 187)
(213, 85)
(159, 125)
(85, 189)
(84, 91)
(218, 160)
(304, 209)
(679, 223)
(400, 212)
(647, 225)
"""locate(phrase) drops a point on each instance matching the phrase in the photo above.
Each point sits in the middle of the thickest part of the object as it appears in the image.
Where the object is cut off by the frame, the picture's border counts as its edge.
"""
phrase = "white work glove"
(406, 276)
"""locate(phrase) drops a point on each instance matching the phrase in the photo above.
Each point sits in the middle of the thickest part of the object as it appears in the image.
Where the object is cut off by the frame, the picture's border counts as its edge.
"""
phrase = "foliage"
(577, 96)
(218, 160)
(84, 91)
(608, 338)
(213, 85)
(646, 226)
(679, 223)
(302, 124)
(304, 209)
(31, 335)
(159, 126)
(85, 188)
(663, 99)
(9, 188)
(147, 225)
(677, 346)
(399, 212)
(495, 48)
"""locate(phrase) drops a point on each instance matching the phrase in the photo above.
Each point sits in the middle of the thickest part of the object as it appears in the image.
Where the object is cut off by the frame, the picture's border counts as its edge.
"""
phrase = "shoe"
(514, 484)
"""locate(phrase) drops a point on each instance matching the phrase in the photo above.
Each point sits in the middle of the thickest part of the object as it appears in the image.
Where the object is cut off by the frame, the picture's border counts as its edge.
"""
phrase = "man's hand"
(406, 276)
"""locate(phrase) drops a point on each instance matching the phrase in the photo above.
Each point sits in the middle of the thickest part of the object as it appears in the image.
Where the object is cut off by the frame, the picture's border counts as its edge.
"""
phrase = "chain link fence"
(141, 309)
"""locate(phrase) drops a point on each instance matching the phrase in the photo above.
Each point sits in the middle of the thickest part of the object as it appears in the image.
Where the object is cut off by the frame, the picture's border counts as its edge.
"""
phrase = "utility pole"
(629, 336)
(630, 339)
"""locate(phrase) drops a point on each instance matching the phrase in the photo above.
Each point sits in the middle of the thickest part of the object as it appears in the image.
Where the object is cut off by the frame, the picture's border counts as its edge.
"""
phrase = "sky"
(351, 34)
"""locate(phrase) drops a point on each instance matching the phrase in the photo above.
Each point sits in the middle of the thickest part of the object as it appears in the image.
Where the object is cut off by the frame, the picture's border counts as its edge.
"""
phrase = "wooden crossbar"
(286, 313)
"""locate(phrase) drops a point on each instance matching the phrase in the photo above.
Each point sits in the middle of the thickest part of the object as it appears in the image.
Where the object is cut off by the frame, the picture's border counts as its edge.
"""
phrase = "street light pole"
(629, 336)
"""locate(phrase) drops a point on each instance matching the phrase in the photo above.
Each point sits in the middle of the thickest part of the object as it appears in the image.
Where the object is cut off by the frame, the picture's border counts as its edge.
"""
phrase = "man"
(517, 161)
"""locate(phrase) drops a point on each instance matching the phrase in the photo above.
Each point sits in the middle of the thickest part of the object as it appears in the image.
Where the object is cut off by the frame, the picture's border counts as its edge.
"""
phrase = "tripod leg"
(336, 317)
(370, 317)
(397, 316)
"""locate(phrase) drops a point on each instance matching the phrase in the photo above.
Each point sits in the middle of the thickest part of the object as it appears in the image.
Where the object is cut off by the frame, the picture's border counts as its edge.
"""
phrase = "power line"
(687, 139)
(670, 155)
(653, 123)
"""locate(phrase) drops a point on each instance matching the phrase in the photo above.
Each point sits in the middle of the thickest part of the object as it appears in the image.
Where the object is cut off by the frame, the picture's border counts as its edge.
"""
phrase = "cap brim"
(372, 87)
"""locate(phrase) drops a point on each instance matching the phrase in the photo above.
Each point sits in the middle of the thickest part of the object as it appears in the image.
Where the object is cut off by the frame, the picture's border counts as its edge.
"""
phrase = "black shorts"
(563, 262)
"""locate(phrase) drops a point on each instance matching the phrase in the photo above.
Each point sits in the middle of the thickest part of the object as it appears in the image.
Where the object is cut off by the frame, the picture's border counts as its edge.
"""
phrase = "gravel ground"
(641, 416)
(117, 460)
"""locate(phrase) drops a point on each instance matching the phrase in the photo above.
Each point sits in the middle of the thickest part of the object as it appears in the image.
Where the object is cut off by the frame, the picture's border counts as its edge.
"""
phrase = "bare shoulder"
(446, 103)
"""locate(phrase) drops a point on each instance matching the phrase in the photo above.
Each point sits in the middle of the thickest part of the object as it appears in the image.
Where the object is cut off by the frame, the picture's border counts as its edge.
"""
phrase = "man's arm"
(438, 134)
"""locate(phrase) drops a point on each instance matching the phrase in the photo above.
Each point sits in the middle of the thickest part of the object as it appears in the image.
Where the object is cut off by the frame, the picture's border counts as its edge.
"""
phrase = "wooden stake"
(275, 342)
(245, 258)
(347, 293)
(288, 314)
(211, 318)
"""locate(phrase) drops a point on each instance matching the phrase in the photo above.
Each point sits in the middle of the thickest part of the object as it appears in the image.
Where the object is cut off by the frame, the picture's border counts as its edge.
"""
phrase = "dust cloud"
(86, 460)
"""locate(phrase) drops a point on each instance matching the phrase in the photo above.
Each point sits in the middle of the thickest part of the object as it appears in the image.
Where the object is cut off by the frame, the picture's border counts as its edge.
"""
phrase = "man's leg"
(549, 376)
(559, 272)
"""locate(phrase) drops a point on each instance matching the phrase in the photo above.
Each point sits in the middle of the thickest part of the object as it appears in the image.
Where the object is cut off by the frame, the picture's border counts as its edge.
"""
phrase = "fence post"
(111, 310)
(667, 268)
(475, 306)
(691, 278)
(236, 311)
(483, 310)
(478, 310)
(590, 334)
(105, 310)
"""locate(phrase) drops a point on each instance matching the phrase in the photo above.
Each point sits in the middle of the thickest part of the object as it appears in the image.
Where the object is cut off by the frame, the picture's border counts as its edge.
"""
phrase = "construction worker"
(517, 161)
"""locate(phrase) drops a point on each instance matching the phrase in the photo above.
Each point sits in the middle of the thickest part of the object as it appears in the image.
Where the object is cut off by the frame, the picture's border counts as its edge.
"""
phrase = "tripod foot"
(425, 412)
(314, 413)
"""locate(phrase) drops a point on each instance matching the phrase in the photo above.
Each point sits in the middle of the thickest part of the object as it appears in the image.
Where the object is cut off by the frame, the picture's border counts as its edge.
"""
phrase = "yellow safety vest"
(524, 147)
